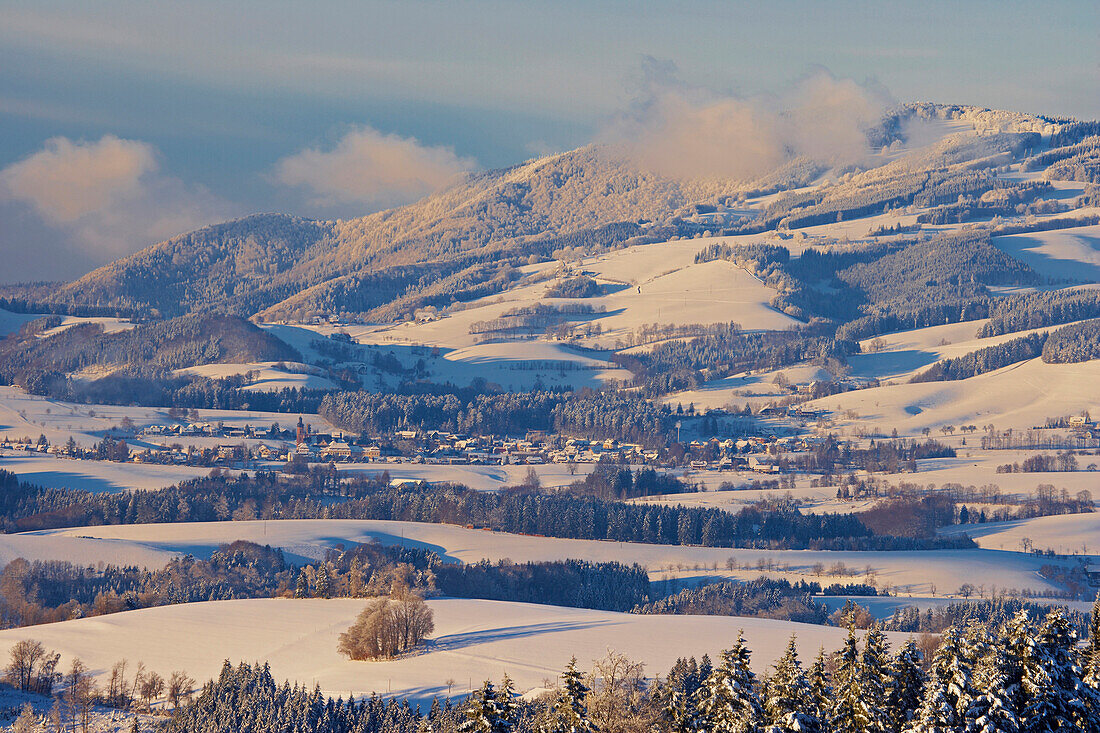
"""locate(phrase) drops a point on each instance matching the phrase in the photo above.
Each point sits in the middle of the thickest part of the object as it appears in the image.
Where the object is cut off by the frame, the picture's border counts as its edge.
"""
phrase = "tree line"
(985, 360)
(617, 415)
(264, 496)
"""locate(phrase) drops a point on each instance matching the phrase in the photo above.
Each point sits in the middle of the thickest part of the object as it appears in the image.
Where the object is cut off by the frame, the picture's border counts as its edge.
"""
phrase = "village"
(248, 446)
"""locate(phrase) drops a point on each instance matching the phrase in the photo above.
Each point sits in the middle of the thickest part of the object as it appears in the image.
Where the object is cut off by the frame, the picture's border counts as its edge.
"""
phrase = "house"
(338, 449)
(267, 452)
(762, 465)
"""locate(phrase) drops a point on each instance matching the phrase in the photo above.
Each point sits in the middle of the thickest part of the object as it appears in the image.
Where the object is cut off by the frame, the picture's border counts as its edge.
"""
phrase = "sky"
(125, 123)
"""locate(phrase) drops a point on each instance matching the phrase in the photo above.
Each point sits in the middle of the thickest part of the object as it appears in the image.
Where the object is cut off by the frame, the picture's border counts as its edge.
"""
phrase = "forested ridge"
(25, 506)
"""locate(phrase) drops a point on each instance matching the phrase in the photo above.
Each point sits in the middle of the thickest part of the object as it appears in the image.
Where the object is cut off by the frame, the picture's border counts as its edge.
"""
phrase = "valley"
(570, 408)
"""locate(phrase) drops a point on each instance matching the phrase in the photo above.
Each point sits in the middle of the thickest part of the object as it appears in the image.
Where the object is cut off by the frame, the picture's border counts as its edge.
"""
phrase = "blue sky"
(241, 106)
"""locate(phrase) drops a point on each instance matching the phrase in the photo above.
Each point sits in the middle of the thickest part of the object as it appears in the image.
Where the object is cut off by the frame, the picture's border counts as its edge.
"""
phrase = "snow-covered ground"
(907, 353)
(22, 414)
(1066, 534)
(1022, 395)
(1066, 254)
(97, 476)
(911, 572)
(473, 641)
(269, 376)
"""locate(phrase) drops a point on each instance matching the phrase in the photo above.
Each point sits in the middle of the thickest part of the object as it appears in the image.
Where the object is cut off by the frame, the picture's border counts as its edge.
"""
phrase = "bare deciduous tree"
(180, 686)
(388, 627)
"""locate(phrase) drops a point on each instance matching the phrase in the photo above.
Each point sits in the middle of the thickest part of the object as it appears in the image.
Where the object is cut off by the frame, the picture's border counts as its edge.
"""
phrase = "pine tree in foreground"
(483, 712)
(850, 712)
(821, 691)
(991, 710)
(1090, 655)
(506, 701)
(680, 693)
(728, 700)
(905, 687)
(1057, 697)
(787, 693)
(875, 673)
(569, 713)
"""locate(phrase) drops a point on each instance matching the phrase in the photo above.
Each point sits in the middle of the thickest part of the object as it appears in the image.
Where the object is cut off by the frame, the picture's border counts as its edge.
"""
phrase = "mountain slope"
(236, 266)
(284, 266)
(465, 241)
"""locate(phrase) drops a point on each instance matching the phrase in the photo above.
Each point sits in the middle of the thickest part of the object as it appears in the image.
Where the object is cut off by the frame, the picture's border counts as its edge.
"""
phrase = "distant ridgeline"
(470, 239)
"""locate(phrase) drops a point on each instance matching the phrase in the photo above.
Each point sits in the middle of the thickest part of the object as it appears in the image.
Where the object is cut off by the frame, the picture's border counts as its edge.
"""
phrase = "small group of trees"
(1042, 463)
(33, 668)
(388, 627)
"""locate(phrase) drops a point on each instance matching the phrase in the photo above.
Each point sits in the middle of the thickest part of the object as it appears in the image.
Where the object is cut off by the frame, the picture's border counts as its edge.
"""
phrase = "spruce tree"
(786, 695)
(301, 590)
(1015, 639)
(729, 702)
(991, 709)
(483, 713)
(569, 714)
(509, 710)
(948, 688)
(905, 687)
(821, 691)
(936, 713)
(1057, 698)
(1090, 655)
(850, 712)
(324, 584)
(680, 696)
(875, 671)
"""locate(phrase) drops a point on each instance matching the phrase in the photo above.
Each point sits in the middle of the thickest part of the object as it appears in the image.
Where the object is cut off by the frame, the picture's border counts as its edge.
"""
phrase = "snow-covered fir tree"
(301, 588)
(484, 713)
(991, 709)
(1090, 655)
(681, 692)
(1056, 697)
(323, 585)
(506, 700)
(786, 694)
(905, 687)
(850, 712)
(875, 672)
(821, 691)
(729, 702)
(569, 713)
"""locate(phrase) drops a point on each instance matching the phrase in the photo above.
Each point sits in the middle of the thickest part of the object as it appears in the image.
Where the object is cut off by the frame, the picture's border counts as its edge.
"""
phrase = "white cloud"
(108, 198)
(369, 168)
(685, 131)
(65, 180)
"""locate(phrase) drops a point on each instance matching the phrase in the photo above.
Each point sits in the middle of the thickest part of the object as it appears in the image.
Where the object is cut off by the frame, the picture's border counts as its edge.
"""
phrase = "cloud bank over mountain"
(100, 199)
(685, 131)
(368, 169)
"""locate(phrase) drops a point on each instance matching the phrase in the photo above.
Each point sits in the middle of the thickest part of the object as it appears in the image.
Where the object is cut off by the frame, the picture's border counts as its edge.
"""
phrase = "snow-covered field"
(907, 353)
(268, 375)
(1019, 396)
(911, 572)
(97, 476)
(1066, 534)
(1067, 254)
(12, 322)
(22, 414)
(473, 641)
